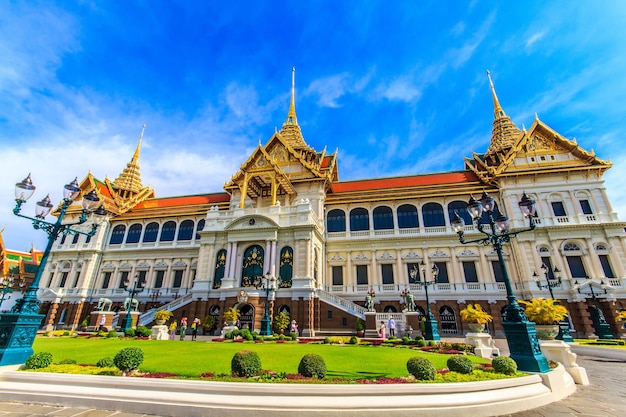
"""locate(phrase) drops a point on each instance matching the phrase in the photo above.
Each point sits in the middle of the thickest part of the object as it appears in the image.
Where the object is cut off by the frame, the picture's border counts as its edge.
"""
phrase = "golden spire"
(504, 132)
(130, 179)
(291, 131)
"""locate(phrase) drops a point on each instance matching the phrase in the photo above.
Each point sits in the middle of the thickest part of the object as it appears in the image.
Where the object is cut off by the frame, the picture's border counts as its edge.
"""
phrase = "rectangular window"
(443, 273)
(106, 280)
(558, 208)
(469, 270)
(497, 271)
(606, 266)
(330, 314)
(63, 279)
(75, 239)
(178, 278)
(576, 266)
(548, 263)
(50, 279)
(123, 279)
(387, 271)
(337, 275)
(76, 276)
(361, 274)
(158, 282)
(586, 207)
(142, 277)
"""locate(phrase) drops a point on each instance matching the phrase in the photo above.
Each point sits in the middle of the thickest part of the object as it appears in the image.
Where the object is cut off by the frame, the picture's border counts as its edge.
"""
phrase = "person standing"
(183, 328)
(382, 330)
(294, 327)
(173, 327)
(194, 328)
(391, 325)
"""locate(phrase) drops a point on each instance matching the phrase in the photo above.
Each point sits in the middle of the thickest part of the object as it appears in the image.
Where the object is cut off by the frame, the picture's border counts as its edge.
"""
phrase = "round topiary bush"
(353, 340)
(142, 331)
(504, 365)
(461, 364)
(128, 359)
(130, 332)
(38, 360)
(421, 368)
(106, 362)
(245, 364)
(312, 365)
(111, 334)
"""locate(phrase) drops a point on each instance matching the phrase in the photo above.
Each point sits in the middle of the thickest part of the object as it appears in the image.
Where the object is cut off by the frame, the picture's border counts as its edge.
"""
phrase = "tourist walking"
(382, 330)
(391, 324)
(183, 328)
(194, 328)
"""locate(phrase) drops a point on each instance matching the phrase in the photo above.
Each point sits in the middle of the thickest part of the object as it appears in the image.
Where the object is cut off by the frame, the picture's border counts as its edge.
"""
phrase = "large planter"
(547, 331)
(160, 322)
(476, 327)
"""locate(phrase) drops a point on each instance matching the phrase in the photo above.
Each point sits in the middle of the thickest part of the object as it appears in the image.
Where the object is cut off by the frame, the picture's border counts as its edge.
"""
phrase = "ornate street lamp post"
(137, 287)
(20, 325)
(553, 280)
(603, 329)
(431, 332)
(520, 333)
(269, 284)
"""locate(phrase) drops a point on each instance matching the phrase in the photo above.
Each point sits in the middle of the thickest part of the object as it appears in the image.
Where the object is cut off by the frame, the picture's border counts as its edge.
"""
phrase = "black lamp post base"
(431, 332)
(17, 334)
(564, 333)
(604, 331)
(524, 346)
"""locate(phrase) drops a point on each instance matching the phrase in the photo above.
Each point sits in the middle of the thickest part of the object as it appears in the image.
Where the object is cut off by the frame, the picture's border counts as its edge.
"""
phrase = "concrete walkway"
(603, 397)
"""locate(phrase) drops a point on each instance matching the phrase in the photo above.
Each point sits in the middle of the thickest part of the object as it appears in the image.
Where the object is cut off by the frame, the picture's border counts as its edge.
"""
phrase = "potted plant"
(207, 323)
(475, 317)
(281, 322)
(161, 316)
(359, 327)
(546, 313)
(621, 316)
(231, 315)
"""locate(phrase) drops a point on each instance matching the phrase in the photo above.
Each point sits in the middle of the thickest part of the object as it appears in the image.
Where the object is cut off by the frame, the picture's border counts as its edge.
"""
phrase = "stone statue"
(410, 302)
(135, 306)
(104, 304)
(369, 303)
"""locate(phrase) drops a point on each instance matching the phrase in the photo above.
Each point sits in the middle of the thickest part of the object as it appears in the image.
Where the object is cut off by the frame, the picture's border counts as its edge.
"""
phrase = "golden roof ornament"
(504, 132)
(130, 178)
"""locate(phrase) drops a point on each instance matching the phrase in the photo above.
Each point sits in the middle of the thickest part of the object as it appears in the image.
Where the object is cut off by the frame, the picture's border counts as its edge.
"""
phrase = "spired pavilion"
(330, 243)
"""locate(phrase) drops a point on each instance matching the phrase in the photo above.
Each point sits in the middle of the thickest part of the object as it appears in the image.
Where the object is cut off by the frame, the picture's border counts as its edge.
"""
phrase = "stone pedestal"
(160, 332)
(559, 351)
(370, 324)
(227, 329)
(412, 323)
(484, 345)
(95, 316)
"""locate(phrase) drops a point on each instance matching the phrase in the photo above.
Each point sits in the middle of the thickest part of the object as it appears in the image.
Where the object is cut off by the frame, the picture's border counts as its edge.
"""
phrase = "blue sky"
(398, 87)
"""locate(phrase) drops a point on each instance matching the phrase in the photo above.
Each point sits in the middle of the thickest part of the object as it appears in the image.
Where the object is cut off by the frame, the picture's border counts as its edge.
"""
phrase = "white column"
(229, 253)
(307, 261)
(268, 257)
(233, 262)
(273, 259)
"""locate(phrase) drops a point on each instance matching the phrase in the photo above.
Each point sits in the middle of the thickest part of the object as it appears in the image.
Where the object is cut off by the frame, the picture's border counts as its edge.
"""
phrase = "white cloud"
(533, 38)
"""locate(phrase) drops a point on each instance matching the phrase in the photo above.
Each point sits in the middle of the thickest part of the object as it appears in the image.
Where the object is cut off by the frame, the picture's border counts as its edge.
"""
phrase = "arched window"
(383, 218)
(407, 216)
(151, 233)
(433, 215)
(286, 267)
(168, 231)
(359, 219)
(336, 221)
(117, 236)
(185, 232)
(134, 233)
(252, 266)
(200, 227)
(460, 208)
(220, 268)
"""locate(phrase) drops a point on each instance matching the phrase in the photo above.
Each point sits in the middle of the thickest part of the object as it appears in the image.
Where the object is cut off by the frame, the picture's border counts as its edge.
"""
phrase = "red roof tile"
(404, 182)
(190, 200)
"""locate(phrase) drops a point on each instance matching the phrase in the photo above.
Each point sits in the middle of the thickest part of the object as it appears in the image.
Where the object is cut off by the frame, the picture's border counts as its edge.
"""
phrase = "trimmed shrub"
(142, 331)
(106, 362)
(67, 362)
(130, 332)
(354, 340)
(461, 364)
(128, 359)
(38, 360)
(421, 342)
(246, 334)
(245, 364)
(293, 335)
(504, 365)
(312, 365)
(421, 368)
(111, 334)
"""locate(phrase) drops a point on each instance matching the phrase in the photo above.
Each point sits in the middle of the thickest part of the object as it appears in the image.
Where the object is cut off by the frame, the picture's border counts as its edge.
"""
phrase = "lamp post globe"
(520, 333)
(20, 325)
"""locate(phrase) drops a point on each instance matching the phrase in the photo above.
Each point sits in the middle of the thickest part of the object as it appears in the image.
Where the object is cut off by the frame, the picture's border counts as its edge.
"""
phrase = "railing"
(342, 304)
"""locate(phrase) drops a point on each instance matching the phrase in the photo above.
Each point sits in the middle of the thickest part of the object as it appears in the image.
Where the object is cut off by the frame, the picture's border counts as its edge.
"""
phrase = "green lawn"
(194, 358)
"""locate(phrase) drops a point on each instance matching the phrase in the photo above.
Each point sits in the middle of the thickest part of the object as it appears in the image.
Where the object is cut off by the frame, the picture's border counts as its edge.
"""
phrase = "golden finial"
(536, 116)
(291, 116)
(497, 108)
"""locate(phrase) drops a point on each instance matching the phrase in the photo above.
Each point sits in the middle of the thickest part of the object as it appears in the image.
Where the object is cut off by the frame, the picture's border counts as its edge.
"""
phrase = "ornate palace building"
(286, 214)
